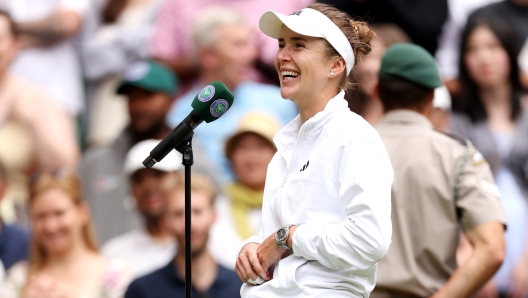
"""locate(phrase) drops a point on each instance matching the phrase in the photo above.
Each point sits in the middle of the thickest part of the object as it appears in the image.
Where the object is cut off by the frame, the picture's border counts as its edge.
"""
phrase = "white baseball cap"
(309, 22)
(140, 151)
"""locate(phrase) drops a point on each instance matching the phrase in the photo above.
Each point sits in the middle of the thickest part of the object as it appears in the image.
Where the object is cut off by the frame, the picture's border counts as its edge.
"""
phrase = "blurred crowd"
(89, 87)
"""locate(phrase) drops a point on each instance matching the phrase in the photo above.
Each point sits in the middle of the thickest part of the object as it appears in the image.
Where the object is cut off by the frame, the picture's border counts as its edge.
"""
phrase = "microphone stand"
(185, 148)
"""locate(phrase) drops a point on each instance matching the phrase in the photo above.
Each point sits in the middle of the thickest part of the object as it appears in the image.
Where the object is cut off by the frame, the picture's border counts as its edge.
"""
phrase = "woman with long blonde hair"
(64, 258)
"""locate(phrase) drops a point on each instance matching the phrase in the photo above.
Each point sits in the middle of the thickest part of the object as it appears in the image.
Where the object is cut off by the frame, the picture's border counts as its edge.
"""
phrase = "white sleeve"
(448, 42)
(364, 179)
(523, 57)
(79, 6)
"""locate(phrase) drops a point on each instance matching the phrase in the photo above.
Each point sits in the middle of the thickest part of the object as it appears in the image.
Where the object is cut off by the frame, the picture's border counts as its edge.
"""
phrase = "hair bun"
(365, 35)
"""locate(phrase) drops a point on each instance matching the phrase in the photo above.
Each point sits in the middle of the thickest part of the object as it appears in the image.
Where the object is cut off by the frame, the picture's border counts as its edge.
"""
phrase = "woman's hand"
(268, 253)
(44, 286)
(248, 264)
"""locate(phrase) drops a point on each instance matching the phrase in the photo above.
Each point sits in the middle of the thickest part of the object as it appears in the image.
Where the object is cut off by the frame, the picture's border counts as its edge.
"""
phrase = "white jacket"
(332, 177)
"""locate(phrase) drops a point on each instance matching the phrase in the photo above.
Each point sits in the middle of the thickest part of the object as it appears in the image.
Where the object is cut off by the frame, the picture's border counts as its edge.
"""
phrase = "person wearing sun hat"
(326, 206)
(442, 184)
(249, 151)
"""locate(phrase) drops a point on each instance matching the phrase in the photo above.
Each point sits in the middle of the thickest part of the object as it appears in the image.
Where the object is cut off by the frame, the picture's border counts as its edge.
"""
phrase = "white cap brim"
(309, 22)
(271, 24)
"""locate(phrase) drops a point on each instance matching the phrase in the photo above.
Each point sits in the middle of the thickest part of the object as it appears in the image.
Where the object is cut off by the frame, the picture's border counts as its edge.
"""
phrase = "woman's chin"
(287, 92)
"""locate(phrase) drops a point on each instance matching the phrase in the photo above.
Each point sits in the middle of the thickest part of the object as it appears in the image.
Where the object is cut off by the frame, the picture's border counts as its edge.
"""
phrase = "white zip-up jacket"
(332, 177)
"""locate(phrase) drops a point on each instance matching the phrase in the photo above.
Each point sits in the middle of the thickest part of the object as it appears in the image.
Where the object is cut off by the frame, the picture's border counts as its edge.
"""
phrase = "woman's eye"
(281, 46)
(299, 45)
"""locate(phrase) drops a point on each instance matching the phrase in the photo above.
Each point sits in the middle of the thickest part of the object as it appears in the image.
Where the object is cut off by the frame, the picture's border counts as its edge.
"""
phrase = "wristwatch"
(281, 236)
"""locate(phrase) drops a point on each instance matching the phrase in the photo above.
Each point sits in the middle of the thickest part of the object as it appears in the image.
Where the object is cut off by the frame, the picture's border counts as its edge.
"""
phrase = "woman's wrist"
(289, 241)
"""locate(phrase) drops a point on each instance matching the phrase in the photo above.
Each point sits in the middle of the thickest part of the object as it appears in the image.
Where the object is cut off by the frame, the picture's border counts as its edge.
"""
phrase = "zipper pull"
(284, 181)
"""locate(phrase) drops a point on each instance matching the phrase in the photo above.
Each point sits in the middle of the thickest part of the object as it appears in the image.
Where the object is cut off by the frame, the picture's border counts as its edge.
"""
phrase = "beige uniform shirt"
(426, 218)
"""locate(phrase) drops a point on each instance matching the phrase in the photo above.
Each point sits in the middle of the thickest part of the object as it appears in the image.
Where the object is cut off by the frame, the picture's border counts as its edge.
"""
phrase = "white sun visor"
(309, 22)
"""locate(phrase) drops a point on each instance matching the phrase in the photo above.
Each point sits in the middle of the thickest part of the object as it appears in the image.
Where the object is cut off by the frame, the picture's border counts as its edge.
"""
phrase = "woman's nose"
(283, 55)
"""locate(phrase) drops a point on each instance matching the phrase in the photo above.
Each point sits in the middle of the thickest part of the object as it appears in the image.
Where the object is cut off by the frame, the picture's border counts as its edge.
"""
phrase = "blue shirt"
(515, 208)
(165, 282)
(14, 244)
(249, 97)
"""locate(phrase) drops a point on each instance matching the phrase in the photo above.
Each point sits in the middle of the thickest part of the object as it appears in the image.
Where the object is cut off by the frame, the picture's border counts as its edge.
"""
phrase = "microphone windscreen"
(212, 101)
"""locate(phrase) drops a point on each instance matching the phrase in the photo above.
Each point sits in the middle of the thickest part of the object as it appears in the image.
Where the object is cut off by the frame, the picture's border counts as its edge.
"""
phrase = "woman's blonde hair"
(71, 185)
(358, 33)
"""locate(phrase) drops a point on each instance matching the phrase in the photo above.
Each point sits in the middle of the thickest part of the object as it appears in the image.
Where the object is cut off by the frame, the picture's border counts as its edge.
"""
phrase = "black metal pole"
(188, 162)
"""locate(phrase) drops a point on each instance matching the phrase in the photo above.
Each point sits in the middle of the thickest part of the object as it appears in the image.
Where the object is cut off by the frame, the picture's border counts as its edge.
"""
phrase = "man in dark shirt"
(14, 240)
(209, 279)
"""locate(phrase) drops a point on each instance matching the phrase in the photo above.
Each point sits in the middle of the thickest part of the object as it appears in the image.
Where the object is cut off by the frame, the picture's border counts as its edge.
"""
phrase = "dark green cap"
(411, 62)
(151, 76)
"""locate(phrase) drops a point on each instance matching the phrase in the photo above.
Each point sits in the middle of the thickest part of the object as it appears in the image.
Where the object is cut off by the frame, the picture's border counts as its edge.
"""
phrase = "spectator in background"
(489, 114)
(441, 184)
(360, 99)
(48, 58)
(151, 246)
(34, 132)
(117, 34)
(209, 278)
(422, 20)
(448, 49)
(14, 240)
(223, 42)
(149, 87)
(64, 260)
(249, 151)
(512, 12)
(176, 18)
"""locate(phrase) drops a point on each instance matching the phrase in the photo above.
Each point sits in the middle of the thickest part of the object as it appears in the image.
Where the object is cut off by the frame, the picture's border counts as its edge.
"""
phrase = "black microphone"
(208, 105)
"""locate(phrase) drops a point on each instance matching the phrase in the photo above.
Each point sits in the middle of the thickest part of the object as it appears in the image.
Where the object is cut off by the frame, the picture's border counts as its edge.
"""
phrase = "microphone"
(208, 105)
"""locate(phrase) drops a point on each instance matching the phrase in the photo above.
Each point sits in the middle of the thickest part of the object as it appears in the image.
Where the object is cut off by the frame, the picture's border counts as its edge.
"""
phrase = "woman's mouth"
(289, 76)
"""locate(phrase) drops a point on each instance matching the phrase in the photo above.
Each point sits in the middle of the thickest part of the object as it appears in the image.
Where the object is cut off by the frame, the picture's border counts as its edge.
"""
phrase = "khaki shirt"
(426, 219)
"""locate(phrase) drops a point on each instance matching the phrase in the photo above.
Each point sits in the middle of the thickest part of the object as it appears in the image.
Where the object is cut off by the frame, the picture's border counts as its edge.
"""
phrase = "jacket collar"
(285, 139)
(404, 116)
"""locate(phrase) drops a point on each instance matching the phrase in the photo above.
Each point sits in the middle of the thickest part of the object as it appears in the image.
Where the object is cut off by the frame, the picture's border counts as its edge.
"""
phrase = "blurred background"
(86, 85)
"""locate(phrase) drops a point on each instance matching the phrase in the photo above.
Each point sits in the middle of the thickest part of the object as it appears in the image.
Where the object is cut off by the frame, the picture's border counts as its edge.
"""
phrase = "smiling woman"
(326, 207)
(64, 260)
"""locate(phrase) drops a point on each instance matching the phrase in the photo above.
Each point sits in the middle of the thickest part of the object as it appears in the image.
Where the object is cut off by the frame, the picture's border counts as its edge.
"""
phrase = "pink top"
(172, 37)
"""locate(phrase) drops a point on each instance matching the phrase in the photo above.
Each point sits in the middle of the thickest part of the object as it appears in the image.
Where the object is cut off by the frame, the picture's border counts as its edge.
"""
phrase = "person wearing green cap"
(441, 185)
(150, 88)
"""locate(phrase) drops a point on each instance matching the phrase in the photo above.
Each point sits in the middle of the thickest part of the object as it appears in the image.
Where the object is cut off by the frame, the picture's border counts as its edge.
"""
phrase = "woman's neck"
(309, 107)
(69, 257)
(497, 103)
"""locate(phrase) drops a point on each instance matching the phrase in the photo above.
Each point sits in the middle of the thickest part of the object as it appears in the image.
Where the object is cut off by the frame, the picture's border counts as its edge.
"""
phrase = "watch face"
(281, 233)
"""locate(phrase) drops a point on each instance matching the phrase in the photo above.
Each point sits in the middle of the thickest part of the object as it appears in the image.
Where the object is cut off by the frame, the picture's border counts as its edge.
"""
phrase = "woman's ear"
(338, 67)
